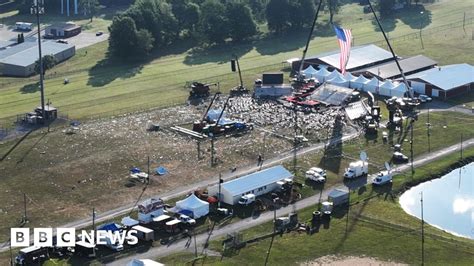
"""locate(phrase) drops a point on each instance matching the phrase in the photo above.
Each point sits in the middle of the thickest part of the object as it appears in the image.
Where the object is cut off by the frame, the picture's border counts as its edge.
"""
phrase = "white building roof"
(447, 77)
(25, 54)
(255, 180)
(360, 56)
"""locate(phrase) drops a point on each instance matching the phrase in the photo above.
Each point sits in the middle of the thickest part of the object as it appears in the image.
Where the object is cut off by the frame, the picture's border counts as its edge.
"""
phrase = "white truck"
(357, 169)
(382, 177)
(316, 174)
(247, 199)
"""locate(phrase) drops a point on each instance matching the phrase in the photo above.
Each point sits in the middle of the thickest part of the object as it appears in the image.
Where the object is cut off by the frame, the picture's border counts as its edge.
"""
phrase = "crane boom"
(410, 92)
(309, 39)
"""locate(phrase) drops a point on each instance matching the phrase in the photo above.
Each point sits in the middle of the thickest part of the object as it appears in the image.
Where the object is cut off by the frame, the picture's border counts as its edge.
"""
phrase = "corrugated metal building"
(257, 183)
(444, 82)
(19, 60)
(63, 30)
(390, 70)
(361, 57)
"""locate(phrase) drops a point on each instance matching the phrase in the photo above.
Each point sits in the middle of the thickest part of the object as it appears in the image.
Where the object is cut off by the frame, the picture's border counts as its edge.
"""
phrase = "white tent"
(359, 82)
(372, 85)
(334, 74)
(349, 77)
(386, 87)
(399, 90)
(310, 72)
(144, 262)
(339, 80)
(193, 204)
(322, 74)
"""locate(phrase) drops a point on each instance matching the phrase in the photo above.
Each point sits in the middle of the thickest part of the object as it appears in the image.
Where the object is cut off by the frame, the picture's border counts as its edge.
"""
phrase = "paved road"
(268, 216)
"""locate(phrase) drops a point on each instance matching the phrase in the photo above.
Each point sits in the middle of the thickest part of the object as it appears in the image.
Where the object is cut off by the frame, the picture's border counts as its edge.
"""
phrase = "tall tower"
(75, 7)
(67, 7)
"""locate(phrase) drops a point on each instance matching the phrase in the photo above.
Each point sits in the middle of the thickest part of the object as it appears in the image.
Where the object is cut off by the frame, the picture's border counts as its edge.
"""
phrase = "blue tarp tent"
(135, 170)
(161, 170)
(110, 227)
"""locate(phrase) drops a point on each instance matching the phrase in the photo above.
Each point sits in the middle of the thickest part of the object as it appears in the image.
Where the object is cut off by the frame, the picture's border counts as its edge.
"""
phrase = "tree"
(385, 7)
(332, 6)
(123, 36)
(48, 62)
(301, 13)
(90, 7)
(242, 25)
(144, 42)
(258, 9)
(277, 13)
(213, 23)
(192, 13)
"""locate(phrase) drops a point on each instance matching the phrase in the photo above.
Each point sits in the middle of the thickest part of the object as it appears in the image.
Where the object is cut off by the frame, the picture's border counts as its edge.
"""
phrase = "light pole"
(421, 27)
(37, 9)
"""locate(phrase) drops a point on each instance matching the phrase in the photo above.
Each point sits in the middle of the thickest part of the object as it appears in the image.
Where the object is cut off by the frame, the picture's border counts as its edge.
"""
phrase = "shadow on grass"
(332, 156)
(217, 54)
(30, 88)
(415, 16)
(112, 67)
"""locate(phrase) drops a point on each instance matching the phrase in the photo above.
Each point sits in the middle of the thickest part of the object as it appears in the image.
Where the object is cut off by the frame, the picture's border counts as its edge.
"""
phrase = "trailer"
(32, 256)
(144, 233)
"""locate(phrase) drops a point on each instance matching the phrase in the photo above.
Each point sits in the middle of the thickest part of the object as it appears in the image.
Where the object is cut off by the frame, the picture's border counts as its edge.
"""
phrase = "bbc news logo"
(66, 237)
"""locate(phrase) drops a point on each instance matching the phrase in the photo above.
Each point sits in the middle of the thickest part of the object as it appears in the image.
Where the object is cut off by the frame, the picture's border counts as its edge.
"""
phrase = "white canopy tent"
(359, 83)
(386, 87)
(399, 90)
(339, 80)
(334, 74)
(193, 204)
(372, 85)
(322, 74)
(310, 72)
(349, 77)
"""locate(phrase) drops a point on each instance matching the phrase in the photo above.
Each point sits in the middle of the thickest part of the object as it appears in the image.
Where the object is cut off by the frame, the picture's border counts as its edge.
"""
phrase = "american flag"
(344, 37)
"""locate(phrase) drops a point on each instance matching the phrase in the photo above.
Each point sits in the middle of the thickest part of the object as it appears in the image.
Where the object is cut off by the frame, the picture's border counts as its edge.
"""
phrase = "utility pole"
(421, 27)
(212, 149)
(411, 144)
(25, 217)
(295, 140)
(37, 10)
(464, 22)
(148, 171)
(422, 233)
(93, 227)
(12, 263)
(461, 146)
(428, 129)
(219, 195)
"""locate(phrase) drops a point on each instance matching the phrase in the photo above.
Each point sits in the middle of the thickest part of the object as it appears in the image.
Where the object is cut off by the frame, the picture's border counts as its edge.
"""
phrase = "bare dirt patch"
(349, 261)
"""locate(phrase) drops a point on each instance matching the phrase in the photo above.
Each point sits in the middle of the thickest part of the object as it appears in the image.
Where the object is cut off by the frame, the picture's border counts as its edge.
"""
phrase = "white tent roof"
(374, 82)
(349, 77)
(399, 90)
(144, 262)
(192, 203)
(387, 84)
(334, 74)
(338, 80)
(310, 71)
(361, 79)
(323, 71)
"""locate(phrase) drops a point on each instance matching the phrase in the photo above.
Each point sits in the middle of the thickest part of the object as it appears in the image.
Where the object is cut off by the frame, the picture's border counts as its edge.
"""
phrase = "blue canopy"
(161, 170)
(135, 170)
(110, 227)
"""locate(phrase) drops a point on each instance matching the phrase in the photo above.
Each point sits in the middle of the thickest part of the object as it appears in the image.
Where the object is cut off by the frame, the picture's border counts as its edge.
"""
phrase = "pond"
(448, 202)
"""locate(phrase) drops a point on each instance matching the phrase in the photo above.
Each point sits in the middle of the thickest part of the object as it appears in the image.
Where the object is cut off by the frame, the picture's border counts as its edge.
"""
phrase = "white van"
(382, 177)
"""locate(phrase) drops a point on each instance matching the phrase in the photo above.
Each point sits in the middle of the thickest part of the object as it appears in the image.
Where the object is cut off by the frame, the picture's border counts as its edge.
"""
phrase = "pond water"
(448, 202)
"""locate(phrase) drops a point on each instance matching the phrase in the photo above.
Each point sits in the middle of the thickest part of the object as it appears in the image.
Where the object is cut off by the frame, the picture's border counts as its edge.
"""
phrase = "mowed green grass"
(376, 228)
(100, 86)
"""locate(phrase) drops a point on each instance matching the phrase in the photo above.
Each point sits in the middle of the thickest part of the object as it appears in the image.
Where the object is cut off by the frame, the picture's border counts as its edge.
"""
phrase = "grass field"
(104, 86)
(376, 228)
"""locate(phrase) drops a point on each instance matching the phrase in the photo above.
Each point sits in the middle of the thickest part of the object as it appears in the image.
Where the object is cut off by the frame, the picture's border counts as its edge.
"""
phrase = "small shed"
(144, 233)
(63, 30)
(338, 196)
